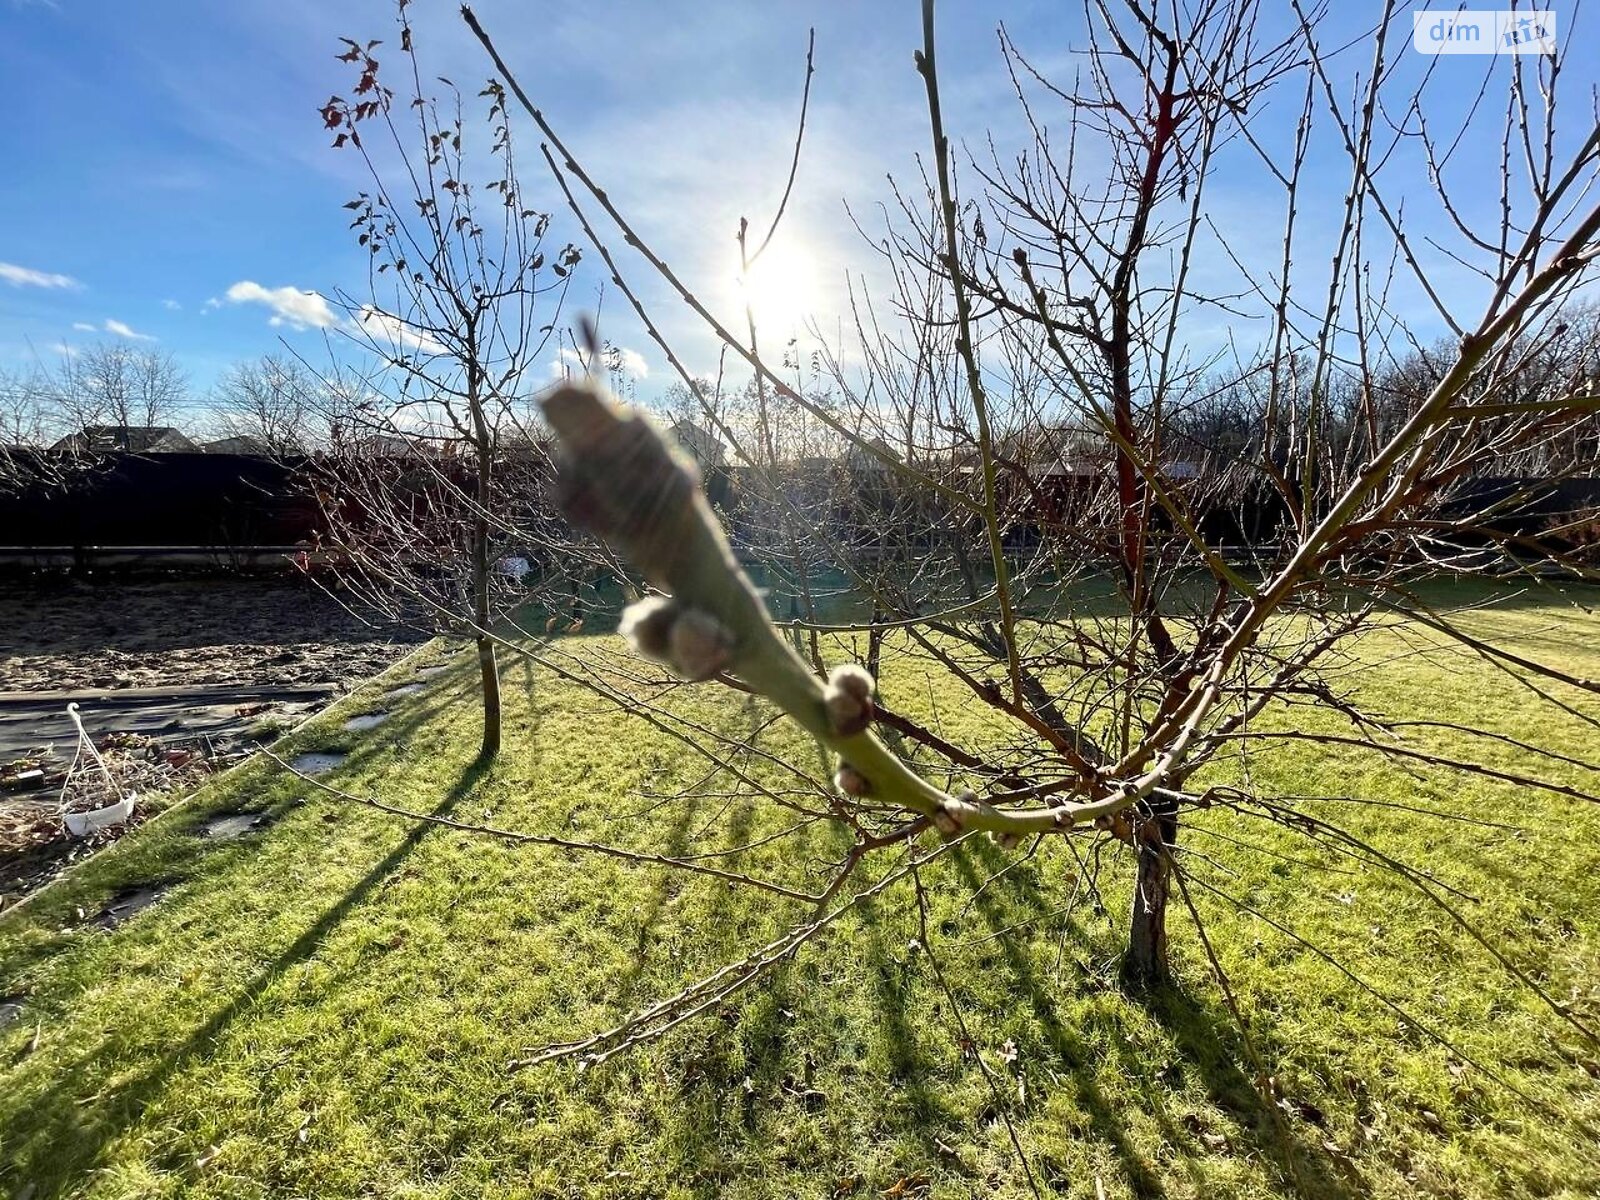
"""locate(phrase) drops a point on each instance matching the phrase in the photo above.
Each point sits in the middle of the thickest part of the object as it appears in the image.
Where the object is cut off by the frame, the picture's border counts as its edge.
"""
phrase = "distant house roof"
(1056, 449)
(243, 443)
(860, 456)
(703, 445)
(132, 439)
(394, 445)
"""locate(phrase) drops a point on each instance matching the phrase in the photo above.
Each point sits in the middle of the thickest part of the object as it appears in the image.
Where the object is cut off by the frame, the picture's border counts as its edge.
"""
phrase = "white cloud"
(381, 326)
(633, 363)
(171, 305)
(567, 364)
(290, 306)
(27, 277)
(124, 330)
(298, 308)
(113, 326)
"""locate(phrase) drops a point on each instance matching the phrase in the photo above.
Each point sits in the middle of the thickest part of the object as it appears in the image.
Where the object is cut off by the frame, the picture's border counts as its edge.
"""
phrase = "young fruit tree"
(427, 486)
(1143, 548)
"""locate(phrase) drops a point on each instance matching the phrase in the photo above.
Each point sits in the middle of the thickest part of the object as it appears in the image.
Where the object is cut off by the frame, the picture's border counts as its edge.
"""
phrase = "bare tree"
(273, 402)
(25, 414)
(433, 461)
(24, 409)
(1023, 405)
(116, 383)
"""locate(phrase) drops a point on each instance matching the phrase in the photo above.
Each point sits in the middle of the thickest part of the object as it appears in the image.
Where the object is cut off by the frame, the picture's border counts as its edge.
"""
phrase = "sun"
(781, 290)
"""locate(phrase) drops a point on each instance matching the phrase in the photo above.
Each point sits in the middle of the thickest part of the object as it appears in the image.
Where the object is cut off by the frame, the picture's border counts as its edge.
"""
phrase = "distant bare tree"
(25, 408)
(116, 383)
(273, 401)
(25, 418)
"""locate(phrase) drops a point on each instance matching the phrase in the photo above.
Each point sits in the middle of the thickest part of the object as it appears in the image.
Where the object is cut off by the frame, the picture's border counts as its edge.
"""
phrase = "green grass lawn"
(328, 1007)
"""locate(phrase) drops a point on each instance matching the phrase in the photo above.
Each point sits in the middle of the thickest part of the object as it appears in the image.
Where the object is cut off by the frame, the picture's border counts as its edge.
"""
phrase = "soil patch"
(175, 669)
(65, 634)
(228, 827)
(318, 762)
(129, 902)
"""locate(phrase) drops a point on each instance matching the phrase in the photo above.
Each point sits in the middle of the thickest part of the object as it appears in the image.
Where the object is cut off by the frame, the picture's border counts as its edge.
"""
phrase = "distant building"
(860, 457)
(701, 444)
(244, 443)
(1080, 452)
(1181, 469)
(127, 439)
(1056, 451)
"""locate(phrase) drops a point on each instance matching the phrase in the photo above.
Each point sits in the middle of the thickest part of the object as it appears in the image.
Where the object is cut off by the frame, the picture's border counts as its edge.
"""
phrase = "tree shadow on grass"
(743, 1081)
(666, 884)
(1206, 1041)
(1073, 1056)
(61, 1137)
(733, 1085)
(683, 829)
(1210, 1045)
(926, 1111)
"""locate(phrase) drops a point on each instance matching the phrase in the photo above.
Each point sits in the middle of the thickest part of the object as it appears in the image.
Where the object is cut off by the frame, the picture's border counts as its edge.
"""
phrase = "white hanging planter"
(82, 824)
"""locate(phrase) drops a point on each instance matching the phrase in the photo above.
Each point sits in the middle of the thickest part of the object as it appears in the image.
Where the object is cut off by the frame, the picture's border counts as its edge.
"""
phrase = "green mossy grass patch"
(328, 1006)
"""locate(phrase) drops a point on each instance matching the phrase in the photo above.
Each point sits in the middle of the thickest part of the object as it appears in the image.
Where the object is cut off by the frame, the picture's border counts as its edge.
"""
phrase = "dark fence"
(230, 509)
(222, 502)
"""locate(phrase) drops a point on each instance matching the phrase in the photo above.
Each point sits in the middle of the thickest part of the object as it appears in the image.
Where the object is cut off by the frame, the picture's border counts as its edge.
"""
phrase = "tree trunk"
(875, 639)
(488, 669)
(484, 444)
(1145, 964)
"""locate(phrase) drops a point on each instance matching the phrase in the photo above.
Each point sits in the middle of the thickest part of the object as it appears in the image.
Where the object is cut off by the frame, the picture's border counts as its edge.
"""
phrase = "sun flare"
(780, 289)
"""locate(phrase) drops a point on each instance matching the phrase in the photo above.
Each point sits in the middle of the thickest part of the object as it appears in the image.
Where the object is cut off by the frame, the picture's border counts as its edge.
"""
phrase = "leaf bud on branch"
(848, 698)
(620, 480)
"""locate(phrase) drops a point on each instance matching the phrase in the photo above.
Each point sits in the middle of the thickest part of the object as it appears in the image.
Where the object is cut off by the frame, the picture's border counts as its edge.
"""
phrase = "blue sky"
(160, 154)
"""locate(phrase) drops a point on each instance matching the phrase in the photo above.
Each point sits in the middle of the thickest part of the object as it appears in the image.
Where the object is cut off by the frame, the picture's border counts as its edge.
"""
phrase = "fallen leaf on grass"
(808, 1096)
(1212, 1140)
(908, 1185)
(1337, 1152)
